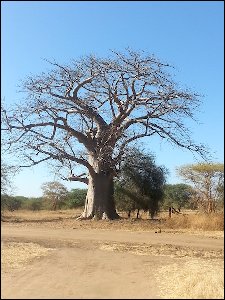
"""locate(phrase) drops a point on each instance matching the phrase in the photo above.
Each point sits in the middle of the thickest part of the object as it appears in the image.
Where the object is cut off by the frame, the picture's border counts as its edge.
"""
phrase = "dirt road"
(98, 264)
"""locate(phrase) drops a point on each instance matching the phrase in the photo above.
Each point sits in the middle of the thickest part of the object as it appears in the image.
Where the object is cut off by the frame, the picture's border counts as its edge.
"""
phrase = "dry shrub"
(197, 221)
(195, 279)
(163, 250)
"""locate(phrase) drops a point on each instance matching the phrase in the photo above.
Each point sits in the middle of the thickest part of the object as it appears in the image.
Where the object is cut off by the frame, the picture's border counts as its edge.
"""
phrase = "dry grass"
(42, 215)
(162, 250)
(16, 255)
(190, 221)
(197, 274)
(196, 221)
(196, 279)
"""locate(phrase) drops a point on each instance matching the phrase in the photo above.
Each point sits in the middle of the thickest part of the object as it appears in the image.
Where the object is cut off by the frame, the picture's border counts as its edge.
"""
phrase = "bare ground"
(43, 261)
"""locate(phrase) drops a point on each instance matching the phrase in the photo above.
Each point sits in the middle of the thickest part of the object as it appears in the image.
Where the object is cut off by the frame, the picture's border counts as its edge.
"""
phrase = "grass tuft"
(196, 221)
(196, 279)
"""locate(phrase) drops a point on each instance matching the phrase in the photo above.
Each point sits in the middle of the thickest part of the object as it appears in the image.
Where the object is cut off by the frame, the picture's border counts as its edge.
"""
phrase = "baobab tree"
(88, 112)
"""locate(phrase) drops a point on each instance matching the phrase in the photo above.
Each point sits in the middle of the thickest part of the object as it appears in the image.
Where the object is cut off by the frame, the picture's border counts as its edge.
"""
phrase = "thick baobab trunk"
(99, 203)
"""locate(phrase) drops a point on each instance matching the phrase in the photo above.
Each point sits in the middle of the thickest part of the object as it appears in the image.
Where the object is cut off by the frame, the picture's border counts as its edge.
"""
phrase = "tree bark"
(99, 203)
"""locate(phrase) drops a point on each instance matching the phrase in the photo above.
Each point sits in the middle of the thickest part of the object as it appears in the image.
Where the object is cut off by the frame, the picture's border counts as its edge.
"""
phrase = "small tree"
(142, 181)
(207, 179)
(55, 193)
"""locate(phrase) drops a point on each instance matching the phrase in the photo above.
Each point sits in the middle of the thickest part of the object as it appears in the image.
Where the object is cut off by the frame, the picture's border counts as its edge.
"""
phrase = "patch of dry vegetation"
(196, 279)
(162, 249)
(16, 254)
(197, 274)
(213, 221)
(40, 216)
(189, 221)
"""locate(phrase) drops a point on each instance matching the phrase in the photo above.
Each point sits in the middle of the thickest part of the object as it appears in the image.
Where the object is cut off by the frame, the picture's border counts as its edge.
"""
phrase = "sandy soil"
(96, 264)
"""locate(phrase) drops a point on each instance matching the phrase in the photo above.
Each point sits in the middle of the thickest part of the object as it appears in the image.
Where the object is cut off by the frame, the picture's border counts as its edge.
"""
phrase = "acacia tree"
(207, 179)
(89, 111)
(55, 193)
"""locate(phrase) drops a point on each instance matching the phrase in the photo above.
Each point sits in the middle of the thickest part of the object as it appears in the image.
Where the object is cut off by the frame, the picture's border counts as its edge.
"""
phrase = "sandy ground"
(97, 264)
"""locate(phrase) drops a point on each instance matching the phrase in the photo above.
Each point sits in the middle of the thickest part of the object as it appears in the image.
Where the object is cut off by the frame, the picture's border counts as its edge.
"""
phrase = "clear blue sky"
(186, 34)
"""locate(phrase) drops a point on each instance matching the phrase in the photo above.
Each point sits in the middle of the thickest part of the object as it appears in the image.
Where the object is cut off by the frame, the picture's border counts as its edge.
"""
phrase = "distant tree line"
(72, 199)
(128, 199)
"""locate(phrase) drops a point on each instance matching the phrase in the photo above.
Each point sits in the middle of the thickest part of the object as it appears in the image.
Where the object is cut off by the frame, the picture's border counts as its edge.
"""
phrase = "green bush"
(76, 198)
(35, 204)
(10, 203)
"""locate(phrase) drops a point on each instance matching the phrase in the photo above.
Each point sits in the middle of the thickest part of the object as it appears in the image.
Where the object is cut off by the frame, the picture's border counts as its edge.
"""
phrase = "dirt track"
(98, 264)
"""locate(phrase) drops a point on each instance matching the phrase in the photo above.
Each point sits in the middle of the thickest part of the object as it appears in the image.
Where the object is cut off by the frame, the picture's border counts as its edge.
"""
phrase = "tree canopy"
(55, 193)
(141, 183)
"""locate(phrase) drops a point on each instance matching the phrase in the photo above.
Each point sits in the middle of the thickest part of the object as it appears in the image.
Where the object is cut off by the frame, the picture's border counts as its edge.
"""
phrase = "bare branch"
(80, 85)
(35, 162)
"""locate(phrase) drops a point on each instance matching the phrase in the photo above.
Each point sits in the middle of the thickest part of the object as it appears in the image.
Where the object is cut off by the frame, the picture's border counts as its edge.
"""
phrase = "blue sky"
(187, 34)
